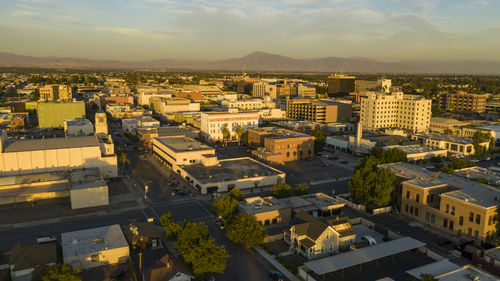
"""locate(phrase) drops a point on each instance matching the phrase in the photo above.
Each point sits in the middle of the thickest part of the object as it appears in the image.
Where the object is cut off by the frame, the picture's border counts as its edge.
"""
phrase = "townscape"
(213, 140)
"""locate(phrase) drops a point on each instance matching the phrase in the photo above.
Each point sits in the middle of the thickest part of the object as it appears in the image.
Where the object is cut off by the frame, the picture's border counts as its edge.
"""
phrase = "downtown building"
(462, 101)
(321, 111)
(212, 123)
(339, 84)
(395, 110)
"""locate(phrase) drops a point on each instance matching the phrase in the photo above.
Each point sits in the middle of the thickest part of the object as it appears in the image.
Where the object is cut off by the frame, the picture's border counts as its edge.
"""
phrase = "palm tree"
(124, 160)
(226, 135)
(239, 133)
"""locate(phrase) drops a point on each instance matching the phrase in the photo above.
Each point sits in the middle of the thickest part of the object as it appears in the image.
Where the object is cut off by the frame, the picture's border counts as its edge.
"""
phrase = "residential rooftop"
(93, 240)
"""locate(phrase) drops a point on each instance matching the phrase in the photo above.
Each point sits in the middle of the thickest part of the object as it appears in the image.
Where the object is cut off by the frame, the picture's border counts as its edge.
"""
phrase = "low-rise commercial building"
(169, 105)
(192, 95)
(94, 247)
(105, 100)
(453, 144)
(25, 258)
(419, 152)
(462, 101)
(31, 156)
(213, 123)
(442, 125)
(460, 206)
(322, 111)
(78, 127)
(279, 145)
(146, 96)
(198, 164)
(146, 135)
(53, 114)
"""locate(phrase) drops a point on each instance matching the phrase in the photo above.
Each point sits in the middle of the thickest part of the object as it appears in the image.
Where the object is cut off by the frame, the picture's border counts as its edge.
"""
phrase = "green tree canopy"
(246, 230)
(172, 229)
(244, 138)
(319, 140)
(281, 190)
(239, 133)
(237, 194)
(225, 207)
(59, 272)
(226, 134)
(301, 189)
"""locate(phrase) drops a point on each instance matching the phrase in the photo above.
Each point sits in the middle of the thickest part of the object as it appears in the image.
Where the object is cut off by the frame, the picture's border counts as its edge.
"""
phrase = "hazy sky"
(214, 29)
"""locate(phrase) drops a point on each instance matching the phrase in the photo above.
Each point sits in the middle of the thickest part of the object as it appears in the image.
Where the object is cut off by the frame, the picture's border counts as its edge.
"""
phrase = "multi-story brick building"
(463, 101)
(322, 111)
(395, 110)
(462, 207)
(279, 145)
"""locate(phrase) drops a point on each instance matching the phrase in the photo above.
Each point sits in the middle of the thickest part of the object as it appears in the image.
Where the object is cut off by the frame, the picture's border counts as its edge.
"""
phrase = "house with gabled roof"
(315, 238)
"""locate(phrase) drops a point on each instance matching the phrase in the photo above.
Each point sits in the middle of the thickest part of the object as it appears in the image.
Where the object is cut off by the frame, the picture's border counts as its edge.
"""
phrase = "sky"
(387, 30)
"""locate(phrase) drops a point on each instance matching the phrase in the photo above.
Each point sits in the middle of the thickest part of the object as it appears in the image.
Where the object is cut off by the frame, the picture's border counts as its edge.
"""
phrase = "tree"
(60, 272)
(237, 194)
(226, 134)
(244, 138)
(246, 230)
(281, 190)
(172, 229)
(124, 160)
(301, 189)
(478, 138)
(383, 187)
(319, 140)
(198, 249)
(239, 133)
(423, 277)
(225, 207)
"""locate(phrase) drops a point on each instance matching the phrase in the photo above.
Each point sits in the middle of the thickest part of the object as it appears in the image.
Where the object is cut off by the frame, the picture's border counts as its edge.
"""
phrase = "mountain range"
(265, 62)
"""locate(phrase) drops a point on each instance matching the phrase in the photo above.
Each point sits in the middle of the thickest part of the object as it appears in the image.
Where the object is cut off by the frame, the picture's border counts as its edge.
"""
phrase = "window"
(453, 210)
(445, 222)
(406, 208)
(427, 216)
(416, 211)
(469, 232)
(407, 194)
(433, 218)
(450, 224)
(447, 209)
(478, 218)
(417, 198)
(411, 210)
(476, 234)
(427, 199)
(266, 222)
(471, 217)
(461, 220)
(490, 220)
(275, 221)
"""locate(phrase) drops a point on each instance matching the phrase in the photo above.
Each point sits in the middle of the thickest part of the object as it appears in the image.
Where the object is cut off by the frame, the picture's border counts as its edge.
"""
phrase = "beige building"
(322, 111)
(442, 125)
(169, 105)
(57, 154)
(55, 93)
(101, 124)
(463, 101)
(263, 89)
(459, 206)
(53, 114)
(409, 112)
(198, 164)
(212, 123)
(78, 127)
(95, 247)
(453, 144)
(418, 152)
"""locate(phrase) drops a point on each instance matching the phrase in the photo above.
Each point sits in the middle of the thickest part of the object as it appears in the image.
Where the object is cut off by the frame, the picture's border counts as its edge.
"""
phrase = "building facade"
(322, 111)
(213, 123)
(463, 101)
(53, 114)
(380, 110)
(339, 84)
(55, 93)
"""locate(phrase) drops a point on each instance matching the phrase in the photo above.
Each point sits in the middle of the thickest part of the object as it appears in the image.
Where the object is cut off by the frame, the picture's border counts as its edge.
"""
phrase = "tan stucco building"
(321, 111)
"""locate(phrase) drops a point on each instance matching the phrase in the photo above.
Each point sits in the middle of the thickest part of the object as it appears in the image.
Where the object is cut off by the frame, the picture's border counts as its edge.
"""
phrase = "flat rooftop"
(78, 122)
(93, 240)
(468, 190)
(88, 178)
(444, 137)
(16, 145)
(29, 179)
(230, 169)
(363, 255)
(183, 144)
(494, 253)
(259, 204)
(279, 133)
(467, 273)
(298, 123)
(434, 269)
(414, 149)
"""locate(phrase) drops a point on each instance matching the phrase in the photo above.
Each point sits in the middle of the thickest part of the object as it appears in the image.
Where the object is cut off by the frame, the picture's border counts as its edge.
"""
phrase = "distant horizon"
(139, 30)
(239, 57)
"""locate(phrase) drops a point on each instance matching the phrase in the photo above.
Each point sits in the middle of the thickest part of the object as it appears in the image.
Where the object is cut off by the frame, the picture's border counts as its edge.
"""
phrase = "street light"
(146, 188)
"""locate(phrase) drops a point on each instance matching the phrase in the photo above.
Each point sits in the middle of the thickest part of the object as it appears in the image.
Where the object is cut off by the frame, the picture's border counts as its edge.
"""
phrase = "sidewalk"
(276, 264)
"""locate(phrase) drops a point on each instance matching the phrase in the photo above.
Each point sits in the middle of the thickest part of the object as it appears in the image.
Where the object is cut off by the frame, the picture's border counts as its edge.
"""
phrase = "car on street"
(326, 164)
(46, 239)
(220, 223)
(276, 276)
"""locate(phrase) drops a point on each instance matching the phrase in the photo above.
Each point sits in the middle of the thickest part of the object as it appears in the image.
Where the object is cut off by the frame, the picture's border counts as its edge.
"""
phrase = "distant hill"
(260, 61)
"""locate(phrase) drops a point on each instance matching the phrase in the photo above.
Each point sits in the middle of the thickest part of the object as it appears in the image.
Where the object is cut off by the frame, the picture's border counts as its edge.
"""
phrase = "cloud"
(133, 32)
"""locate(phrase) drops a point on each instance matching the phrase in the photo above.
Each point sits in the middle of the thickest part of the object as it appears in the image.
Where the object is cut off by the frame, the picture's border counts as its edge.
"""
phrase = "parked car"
(46, 239)
(276, 276)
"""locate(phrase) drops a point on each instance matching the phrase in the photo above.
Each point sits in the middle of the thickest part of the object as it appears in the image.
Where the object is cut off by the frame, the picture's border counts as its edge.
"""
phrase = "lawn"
(276, 247)
(292, 262)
